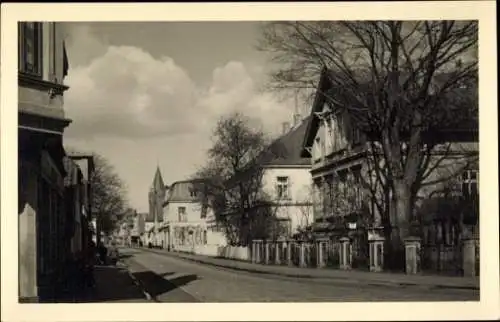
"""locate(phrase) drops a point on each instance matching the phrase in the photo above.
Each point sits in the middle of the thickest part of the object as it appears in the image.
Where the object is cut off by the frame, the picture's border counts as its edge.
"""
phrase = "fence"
(441, 259)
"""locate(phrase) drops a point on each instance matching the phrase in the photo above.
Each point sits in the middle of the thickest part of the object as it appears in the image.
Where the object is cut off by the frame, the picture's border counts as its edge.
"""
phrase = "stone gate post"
(469, 256)
(302, 254)
(289, 245)
(377, 253)
(321, 254)
(345, 253)
(412, 255)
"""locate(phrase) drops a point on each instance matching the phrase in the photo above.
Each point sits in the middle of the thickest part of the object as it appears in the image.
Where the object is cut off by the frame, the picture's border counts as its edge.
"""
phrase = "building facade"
(287, 181)
(84, 165)
(138, 228)
(185, 218)
(42, 67)
(346, 200)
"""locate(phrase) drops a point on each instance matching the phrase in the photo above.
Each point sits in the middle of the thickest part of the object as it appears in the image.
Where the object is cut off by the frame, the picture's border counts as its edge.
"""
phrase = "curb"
(305, 276)
(148, 296)
(138, 283)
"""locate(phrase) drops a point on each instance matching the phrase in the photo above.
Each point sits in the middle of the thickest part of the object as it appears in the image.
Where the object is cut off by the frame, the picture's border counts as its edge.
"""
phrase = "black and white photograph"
(249, 161)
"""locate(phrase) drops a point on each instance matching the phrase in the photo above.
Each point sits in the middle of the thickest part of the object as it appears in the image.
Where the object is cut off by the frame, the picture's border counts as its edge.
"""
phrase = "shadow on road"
(112, 284)
(124, 256)
(157, 285)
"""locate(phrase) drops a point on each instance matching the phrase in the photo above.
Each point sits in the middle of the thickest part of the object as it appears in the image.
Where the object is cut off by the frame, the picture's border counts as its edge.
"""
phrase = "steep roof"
(180, 191)
(464, 126)
(287, 149)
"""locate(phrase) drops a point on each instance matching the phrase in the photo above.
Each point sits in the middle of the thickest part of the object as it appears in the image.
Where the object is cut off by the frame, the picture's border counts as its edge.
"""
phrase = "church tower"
(157, 193)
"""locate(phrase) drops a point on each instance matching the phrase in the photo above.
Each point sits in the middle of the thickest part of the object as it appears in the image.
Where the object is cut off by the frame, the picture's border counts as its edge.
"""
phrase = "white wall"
(193, 212)
(300, 182)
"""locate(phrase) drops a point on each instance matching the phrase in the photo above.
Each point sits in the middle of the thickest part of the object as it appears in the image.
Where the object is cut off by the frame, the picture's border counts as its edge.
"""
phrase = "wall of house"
(40, 232)
(37, 101)
(193, 212)
(451, 164)
(28, 205)
(297, 208)
(76, 240)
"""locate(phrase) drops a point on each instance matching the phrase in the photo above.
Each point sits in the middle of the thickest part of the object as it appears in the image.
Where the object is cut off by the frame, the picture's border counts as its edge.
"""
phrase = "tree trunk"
(401, 200)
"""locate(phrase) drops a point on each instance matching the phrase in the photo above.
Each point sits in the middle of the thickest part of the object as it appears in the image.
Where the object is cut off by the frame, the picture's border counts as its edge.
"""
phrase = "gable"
(461, 129)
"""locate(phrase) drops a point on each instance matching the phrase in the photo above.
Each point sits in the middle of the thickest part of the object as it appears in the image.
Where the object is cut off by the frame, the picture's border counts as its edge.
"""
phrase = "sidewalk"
(336, 275)
(112, 284)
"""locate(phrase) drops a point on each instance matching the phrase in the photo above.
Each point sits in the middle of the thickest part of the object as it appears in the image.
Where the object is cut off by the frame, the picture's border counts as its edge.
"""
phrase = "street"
(169, 279)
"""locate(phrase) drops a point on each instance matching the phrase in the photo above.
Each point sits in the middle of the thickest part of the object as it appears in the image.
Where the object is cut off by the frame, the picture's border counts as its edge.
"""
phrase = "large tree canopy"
(402, 83)
(232, 180)
(108, 194)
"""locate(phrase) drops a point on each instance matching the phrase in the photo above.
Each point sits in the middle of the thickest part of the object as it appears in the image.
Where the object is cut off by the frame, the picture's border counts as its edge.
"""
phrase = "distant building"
(185, 218)
(76, 222)
(138, 228)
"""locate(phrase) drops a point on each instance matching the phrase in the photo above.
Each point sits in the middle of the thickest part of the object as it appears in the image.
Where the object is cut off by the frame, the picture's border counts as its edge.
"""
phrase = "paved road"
(171, 279)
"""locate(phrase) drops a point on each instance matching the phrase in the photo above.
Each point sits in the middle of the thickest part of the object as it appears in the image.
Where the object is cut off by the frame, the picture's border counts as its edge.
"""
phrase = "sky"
(148, 94)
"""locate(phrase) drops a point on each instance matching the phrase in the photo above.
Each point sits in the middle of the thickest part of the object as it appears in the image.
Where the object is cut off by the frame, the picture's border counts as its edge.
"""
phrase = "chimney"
(286, 127)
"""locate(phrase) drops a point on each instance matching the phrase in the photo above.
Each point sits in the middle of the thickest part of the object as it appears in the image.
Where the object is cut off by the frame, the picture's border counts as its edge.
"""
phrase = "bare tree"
(232, 180)
(402, 83)
(108, 195)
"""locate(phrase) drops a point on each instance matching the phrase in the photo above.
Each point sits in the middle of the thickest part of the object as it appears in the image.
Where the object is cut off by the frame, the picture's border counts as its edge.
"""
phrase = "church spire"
(158, 183)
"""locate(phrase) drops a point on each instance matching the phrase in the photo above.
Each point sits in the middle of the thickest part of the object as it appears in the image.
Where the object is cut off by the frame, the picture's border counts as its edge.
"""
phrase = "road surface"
(168, 278)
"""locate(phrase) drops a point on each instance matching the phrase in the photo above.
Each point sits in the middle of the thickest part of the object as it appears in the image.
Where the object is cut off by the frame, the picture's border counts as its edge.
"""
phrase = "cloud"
(127, 93)
(141, 111)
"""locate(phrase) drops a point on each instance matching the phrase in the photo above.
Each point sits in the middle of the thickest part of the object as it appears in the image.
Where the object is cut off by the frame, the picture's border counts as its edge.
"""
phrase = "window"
(204, 209)
(283, 228)
(30, 48)
(181, 211)
(317, 148)
(192, 193)
(329, 135)
(356, 135)
(282, 187)
(470, 183)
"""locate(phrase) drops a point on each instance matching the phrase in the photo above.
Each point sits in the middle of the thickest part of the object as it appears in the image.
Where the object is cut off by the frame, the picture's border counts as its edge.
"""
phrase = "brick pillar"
(320, 251)
(345, 253)
(302, 254)
(469, 256)
(377, 254)
(289, 246)
(412, 255)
